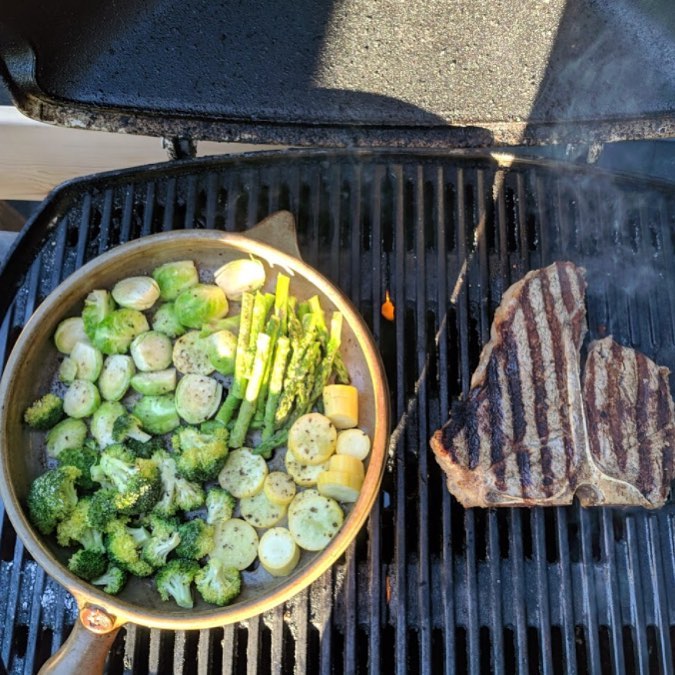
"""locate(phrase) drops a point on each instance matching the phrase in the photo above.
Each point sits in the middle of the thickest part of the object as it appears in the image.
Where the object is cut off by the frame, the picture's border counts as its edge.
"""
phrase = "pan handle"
(87, 646)
(277, 230)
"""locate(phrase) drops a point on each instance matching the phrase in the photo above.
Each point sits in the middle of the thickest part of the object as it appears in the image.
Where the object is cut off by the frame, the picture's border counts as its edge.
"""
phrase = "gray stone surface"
(207, 69)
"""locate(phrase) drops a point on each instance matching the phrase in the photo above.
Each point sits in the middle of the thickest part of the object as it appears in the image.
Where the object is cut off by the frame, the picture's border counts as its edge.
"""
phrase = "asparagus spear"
(274, 441)
(315, 308)
(303, 310)
(294, 324)
(341, 372)
(248, 405)
(281, 301)
(261, 306)
(276, 384)
(238, 388)
(332, 350)
(272, 329)
(294, 374)
(276, 325)
(304, 392)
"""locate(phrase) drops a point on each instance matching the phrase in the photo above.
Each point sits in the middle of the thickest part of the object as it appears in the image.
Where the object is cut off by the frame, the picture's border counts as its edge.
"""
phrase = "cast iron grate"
(427, 586)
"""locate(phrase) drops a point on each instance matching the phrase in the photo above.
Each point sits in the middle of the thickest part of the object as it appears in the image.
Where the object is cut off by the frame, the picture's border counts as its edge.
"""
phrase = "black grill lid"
(348, 72)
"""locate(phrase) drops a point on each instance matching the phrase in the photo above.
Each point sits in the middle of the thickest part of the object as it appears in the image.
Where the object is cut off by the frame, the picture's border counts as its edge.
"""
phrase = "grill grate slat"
(426, 587)
(612, 592)
(661, 597)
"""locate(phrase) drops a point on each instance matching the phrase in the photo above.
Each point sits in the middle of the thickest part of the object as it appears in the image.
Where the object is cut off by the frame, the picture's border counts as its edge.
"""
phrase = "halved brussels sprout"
(136, 292)
(115, 377)
(68, 333)
(174, 277)
(88, 361)
(115, 333)
(240, 276)
(157, 414)
(222, 351)
(81, 399)
(200, 304)
(97, 305)
(103, 420)
(191, 354)
(165, 321)
(197, 398)
(67, 370)
(68, 434)
(228, 323)
(151, 351)
(155, 383)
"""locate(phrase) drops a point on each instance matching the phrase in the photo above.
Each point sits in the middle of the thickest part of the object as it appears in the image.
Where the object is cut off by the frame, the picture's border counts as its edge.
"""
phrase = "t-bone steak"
(529, 433)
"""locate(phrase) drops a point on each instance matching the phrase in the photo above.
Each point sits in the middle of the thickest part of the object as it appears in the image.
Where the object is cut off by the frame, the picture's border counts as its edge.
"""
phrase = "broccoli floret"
(76, 528)
(200, 456)
(52, 497)
(219, 505)
(97, 476)
(196, 539)
(123, 548)
(147, 449)
(175, 579)
(116, 451)
(189, 495)
(217, 583)
(87, 564)
(136, 480)
(177, 493)
(128, 426)
(119, 451)
(82, 458)
(140, 534)
(163, 539)
(102, 509)
(112, 580)
(44, 413)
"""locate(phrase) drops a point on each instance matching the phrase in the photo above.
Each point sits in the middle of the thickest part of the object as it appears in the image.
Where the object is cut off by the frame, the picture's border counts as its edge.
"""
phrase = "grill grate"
(426, 586)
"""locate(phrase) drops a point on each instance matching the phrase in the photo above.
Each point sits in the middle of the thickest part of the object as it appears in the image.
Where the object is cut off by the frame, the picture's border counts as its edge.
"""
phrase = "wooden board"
(35, 157)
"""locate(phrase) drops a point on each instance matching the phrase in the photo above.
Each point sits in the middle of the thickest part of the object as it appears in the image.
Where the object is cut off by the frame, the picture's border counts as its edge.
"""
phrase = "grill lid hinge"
(178, 147)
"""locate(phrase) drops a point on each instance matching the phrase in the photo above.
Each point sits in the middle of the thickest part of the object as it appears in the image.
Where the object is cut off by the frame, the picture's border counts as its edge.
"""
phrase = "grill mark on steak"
(566, 291)
(513, 374)
(455, 426)
(577, 317)
(667, 466)
(664, 420)
(593, 415)
(495, 401)
(540, 398)
(559, 359)
(645, 479)
(473, 440)
(662, 407)
(523, 459)
(512, 369)
(618, 411)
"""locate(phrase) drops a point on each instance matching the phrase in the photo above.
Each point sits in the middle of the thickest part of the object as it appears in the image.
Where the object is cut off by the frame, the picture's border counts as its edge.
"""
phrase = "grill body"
(426, 586)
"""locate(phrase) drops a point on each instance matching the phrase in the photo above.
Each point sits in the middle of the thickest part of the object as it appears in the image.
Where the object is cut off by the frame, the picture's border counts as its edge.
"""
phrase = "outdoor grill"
(427, 586)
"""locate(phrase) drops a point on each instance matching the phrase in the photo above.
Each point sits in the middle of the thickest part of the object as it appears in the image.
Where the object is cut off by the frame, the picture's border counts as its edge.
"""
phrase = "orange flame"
(388, 310)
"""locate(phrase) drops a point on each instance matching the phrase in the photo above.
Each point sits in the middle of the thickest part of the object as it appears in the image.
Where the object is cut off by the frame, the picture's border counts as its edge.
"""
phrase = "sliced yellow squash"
(339, 485)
